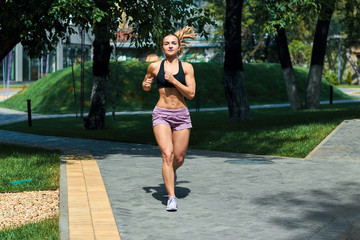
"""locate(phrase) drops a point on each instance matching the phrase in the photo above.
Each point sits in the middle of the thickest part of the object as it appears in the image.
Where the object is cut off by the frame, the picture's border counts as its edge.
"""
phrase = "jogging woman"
(171, 118)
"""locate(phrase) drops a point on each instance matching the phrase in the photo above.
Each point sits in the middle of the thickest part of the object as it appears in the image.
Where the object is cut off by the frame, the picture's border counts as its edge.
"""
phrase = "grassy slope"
(52, 94)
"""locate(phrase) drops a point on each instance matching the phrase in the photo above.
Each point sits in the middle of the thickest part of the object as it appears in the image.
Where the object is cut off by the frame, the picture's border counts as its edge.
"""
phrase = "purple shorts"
(176, 119)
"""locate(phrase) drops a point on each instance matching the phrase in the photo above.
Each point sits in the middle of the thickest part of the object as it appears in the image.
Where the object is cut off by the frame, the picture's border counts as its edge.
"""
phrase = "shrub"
(349, 78)
(331, 77)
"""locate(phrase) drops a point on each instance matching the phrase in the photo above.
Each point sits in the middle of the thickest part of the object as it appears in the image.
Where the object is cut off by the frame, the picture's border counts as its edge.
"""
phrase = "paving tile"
(105, 235)
(89, 208)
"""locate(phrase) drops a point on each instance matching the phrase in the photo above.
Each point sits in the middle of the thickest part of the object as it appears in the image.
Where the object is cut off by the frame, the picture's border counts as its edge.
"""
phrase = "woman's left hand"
(169, 77)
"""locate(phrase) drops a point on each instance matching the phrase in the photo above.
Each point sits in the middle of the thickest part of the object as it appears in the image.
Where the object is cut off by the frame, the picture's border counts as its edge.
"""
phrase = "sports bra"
(161, 81)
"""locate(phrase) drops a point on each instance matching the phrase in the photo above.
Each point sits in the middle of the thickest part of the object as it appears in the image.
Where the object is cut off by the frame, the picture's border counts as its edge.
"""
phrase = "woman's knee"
(168, 157)
(179, 158)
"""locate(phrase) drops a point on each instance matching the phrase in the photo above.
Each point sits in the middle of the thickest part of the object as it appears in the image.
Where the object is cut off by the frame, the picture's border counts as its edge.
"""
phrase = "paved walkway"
(221, 195)
(5, 95)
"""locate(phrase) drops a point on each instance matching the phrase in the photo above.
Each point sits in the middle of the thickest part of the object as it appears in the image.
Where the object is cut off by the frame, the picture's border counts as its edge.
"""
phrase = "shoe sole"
(171, 210)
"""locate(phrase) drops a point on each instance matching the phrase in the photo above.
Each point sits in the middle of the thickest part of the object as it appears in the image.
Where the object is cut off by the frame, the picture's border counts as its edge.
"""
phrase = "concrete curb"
(326, 139)
(63, 204)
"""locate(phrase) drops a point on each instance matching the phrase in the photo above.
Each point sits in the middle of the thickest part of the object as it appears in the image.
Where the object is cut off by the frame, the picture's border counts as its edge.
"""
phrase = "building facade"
(19, 67)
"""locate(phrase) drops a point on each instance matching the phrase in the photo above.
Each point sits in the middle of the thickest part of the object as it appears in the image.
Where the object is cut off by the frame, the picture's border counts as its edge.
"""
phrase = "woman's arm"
(149, 77)
(187, 91)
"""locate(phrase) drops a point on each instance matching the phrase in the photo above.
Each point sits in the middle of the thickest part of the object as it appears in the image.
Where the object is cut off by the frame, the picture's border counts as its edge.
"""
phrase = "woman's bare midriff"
(171, 98)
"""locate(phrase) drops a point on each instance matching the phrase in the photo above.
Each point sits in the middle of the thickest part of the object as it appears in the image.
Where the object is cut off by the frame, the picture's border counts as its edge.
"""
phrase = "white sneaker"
(172, 204)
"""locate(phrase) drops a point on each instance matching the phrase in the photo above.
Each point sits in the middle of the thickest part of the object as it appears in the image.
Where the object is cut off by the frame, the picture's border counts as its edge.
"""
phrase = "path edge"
(63, 202)
(326, 139)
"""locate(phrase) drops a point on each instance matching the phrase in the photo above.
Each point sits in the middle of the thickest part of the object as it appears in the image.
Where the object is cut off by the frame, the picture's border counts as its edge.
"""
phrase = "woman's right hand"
(150, 75)
(147, 83)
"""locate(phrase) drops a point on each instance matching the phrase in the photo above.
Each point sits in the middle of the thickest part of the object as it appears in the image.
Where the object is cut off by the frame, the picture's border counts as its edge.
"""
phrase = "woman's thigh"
(163, 135)
(181, 141)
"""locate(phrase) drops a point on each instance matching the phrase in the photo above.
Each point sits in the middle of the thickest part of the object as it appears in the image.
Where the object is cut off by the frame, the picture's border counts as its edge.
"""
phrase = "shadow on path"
(331, 211)
(160, 194)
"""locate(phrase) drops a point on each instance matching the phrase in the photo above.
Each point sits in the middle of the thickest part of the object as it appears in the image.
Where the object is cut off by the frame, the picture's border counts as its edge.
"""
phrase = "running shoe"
(172, 204)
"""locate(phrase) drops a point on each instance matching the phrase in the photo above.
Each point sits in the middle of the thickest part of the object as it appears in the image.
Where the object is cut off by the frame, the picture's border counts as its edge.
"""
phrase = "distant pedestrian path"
(354, 92)
(5, 94)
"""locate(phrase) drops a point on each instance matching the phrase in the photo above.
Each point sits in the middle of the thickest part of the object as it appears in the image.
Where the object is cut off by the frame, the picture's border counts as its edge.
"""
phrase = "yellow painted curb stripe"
(90, 213)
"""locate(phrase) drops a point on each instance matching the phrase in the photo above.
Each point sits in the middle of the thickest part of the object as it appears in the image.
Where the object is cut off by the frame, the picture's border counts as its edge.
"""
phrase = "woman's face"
(170, 45)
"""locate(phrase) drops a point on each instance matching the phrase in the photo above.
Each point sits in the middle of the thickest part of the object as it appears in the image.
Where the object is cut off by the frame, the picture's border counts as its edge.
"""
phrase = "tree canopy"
(39, 24)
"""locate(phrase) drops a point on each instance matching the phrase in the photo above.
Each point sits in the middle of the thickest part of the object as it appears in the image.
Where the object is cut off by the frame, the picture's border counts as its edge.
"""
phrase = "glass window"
(26, 67)
(47, 63)
(34, 69)
(5, 67)
(76, 54)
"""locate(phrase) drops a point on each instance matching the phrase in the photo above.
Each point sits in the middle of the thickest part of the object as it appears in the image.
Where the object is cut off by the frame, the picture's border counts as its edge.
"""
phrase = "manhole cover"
(248, 162)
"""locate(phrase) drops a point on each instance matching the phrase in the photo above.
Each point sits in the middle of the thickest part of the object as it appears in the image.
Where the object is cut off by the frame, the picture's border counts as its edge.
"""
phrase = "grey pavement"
(226, 195)
(8, 116)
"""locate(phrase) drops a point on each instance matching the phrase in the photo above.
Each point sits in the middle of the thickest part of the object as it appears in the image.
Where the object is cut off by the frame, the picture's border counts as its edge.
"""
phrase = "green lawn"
(46, 229)
(39, 165)
(273, 131)
(43, 168)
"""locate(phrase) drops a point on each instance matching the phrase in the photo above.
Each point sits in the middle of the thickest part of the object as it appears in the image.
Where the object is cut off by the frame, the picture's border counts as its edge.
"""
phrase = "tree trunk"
(287, 69)
(353, 65)
(233, 78)
(266, 50)
(317, 57)
(102, 51)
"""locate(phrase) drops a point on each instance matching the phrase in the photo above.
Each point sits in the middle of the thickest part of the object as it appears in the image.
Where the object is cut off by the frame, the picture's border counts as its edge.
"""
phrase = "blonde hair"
(182, 34)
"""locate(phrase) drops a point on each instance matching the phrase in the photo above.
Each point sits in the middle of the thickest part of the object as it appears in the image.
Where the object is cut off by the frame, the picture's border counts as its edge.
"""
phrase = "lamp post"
(339, 39)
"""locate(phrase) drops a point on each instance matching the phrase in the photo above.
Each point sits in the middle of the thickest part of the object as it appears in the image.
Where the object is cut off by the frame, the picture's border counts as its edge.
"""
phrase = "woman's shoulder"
(154, 65)
(187, 66)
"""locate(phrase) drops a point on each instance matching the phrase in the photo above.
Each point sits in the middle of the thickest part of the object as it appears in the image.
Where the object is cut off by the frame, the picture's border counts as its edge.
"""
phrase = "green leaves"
(32, 20)
(283, 12)
(351, 21)
(150, 20)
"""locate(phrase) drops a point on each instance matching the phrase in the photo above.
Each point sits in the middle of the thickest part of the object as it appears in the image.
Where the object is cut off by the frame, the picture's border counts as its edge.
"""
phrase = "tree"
(276, 15)
(31, 23)
(318, 54)
(351, 24)
(102, 51)
(149, 21)
(38, 25)
(233, 78)
(255, 42)
(287, 69)
(350, 9)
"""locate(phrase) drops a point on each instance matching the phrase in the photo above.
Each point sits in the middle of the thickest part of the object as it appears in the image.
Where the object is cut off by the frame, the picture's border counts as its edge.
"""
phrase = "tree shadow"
(159, 192)
(100, 149)
(332, 210)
